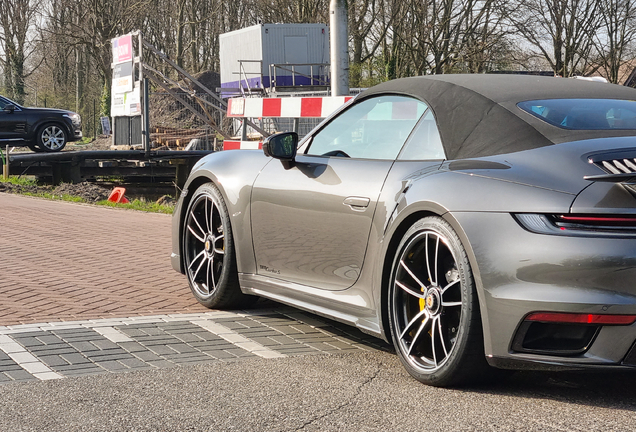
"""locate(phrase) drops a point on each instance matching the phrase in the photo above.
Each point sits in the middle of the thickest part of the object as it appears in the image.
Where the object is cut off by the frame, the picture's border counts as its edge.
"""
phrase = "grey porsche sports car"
(475, 221)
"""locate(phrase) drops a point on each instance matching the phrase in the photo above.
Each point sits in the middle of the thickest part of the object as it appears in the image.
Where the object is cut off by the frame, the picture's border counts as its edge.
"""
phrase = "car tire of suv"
(34, 147)
(210, 256)
(51, 137)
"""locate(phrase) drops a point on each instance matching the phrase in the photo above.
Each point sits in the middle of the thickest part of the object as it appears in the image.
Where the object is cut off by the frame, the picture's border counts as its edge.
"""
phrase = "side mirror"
(281, 146)
(9, 108)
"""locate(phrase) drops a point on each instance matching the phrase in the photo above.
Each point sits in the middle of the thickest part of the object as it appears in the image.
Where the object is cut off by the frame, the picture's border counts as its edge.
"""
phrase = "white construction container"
(274, 55)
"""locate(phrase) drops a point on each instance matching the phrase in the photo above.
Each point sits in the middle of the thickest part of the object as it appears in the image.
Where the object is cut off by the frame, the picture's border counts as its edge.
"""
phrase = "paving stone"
(83, 346)
(132, 346)
(84, 372)
(71, 333)
(133, 363)
(10, 367)
(112, 365)
(147, 356)
(49, 339)
(75, 367)
(208, 336)
(75, 358)
(161, 364)
(182, 348)
(53, 360)
(265, 341)
(4, 378)
(153, 331)
(339, 344)
(206, 347)
(20, 375)
(231, 325)
(29, 334)
(221, 354)
(110, 357)
(29, 341)
(193, 360)
(54, 351)
(161, 350)
(189, 337)
(104, 344)
(284, 340)
(322, 346)
(239, 352)
(131, 332)
(156, 340)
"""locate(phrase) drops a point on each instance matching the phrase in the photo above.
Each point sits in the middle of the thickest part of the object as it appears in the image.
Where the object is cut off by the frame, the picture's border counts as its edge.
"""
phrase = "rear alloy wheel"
(51, 138)
(208, 247)
(434, 311)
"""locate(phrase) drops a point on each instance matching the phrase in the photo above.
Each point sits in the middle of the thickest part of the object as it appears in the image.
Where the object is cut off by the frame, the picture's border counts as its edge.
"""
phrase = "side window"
(375, 128)
(425, 142)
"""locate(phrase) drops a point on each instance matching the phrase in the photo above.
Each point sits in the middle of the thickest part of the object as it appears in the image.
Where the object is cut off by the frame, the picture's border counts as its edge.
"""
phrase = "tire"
(208, 249)
(51, 138)
(34, 148)
(434, 313)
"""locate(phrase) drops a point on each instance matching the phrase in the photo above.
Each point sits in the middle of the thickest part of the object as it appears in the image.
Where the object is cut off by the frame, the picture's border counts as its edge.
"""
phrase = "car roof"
(477, 114)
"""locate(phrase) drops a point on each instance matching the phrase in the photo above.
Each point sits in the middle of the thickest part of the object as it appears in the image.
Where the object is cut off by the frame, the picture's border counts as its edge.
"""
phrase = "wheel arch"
(52, 121)
(400, 227)
(233, 173)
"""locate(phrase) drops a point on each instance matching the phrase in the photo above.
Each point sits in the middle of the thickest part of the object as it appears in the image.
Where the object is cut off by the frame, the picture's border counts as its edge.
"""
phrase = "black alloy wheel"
(434, 311)
(208, 248)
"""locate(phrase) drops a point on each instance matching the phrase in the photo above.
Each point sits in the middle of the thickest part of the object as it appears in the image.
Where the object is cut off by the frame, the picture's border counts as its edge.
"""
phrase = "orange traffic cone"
(117, 196)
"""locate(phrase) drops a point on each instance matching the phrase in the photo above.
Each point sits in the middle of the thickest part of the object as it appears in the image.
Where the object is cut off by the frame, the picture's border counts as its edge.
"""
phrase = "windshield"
(584, 114)
(4, 102)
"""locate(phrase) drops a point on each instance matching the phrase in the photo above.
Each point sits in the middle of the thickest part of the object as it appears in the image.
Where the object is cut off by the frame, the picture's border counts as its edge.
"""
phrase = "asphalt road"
(345, 392)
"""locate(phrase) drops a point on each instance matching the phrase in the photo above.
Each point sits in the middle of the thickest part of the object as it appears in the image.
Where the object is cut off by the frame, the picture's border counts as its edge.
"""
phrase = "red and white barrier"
(289, 107)
(242, 145)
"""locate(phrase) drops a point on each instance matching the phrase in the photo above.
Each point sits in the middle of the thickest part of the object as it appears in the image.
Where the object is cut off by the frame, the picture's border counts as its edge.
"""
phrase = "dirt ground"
(90, 192)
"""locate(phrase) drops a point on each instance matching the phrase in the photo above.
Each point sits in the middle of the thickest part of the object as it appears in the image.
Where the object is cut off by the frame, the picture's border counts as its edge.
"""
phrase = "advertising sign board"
(122, 49)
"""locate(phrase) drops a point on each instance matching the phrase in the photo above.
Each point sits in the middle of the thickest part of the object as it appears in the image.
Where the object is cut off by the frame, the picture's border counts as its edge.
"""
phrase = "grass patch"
(20, 181)
(51, 196)
(140, 205)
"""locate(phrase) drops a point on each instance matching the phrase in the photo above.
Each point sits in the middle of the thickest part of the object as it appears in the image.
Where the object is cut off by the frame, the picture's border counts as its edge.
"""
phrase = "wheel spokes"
(203, 260)
(221, 250)
(417, 335)
(441, 337)
(408, 270)
(410, 290)
(197, 236)
(411, 324)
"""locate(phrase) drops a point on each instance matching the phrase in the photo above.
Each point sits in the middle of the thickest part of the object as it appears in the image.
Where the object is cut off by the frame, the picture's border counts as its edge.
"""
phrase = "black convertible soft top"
(478, 116)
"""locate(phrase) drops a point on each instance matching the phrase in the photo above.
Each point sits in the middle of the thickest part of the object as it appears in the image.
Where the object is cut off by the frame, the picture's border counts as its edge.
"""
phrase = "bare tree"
(613, 41)
(16, 20)
(560, 30)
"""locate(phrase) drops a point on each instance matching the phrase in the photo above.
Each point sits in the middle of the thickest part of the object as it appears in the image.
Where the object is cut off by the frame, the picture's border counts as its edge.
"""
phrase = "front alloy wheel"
(209, 251)
(51, 138)
(435, 322)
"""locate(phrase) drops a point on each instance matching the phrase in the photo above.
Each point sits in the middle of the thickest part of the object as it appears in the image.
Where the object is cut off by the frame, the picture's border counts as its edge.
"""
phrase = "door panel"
(311, 222)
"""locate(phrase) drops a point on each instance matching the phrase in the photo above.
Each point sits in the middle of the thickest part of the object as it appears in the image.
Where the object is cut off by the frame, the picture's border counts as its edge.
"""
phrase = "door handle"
(357, 203)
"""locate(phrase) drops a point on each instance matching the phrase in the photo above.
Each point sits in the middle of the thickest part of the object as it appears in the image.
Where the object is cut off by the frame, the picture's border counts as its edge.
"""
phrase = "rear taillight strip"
(578, 318)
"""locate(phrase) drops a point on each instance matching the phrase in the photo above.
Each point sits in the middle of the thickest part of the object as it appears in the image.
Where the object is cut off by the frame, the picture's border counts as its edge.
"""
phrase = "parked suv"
(40, 129)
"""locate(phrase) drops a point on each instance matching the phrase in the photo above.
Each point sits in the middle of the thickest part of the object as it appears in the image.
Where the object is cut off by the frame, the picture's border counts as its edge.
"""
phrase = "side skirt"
(349, 306)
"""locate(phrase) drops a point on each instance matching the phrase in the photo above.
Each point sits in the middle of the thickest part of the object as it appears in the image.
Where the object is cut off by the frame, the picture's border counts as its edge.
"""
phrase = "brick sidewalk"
(62, 261)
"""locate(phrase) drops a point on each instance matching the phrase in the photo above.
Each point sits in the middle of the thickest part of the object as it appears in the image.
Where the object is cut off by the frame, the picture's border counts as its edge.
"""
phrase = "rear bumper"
(518, 272)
